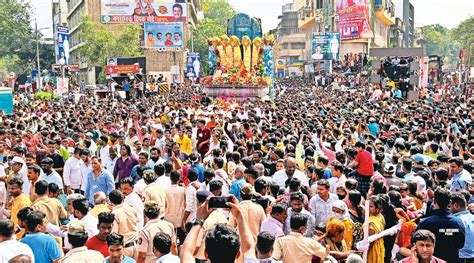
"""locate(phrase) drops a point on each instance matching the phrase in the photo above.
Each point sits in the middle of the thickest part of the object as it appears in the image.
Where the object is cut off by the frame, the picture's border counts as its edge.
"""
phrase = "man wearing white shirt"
(132, 199)
(320, 205)
(49, 174)
(81, 212)
(338, 178)
(104, 150)
(283, 176)
(160, 140)
(10, 247)
(72, 173)
(109, 163)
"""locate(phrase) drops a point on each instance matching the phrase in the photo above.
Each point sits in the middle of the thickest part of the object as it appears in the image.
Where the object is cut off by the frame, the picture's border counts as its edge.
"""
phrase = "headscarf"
(342, 206)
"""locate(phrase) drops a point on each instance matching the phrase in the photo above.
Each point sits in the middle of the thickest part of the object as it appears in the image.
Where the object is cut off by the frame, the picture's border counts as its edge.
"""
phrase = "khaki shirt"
(51, 207)
(145, 238)
(254, 215)
(297, 248)
(82, 254)
(154, 192)
(99, 209)
(125, 222)
(33, 195)
(214, 218)
(175, 204)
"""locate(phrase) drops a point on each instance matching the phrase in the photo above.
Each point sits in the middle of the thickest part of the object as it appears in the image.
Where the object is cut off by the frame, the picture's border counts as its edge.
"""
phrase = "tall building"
(383, 17)
(156, 62)
(291, 42)
(409, 23)
(315, 16)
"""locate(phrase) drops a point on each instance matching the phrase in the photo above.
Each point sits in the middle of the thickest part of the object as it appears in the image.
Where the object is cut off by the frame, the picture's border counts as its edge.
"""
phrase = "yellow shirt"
(99, 209)
(185, 144)
(297, 248)
(18, 203)
(376, 250)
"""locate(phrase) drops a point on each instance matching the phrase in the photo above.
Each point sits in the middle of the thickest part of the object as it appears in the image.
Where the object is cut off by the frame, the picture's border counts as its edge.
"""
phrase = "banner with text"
(141, 11)
(122, 69)
(354, 22)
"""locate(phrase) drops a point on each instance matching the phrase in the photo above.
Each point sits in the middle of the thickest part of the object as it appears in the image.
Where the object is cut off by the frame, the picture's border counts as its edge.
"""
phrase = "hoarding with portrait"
(141, 11)
(325, 46)
(163, 35)
(354, 22)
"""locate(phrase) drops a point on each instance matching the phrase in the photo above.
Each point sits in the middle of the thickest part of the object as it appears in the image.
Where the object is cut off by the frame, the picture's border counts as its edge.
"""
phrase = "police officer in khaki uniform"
(153, 191)
(77, 236)
(125, 222)
(154, 226)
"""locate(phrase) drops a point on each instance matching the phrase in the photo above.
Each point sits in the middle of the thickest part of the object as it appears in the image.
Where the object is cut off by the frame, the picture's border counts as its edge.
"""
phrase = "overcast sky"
(445, 12)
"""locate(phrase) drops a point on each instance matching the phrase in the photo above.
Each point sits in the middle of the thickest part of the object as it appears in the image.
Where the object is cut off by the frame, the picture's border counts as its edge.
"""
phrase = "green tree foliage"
(18, 39)
(216, 14)
(100, 42)
(439, 40)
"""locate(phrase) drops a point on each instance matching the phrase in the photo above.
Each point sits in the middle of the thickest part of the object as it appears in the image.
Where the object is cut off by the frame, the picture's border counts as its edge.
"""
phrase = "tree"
(100, 42)
(464, 35)
(216, 14)
(14, 25)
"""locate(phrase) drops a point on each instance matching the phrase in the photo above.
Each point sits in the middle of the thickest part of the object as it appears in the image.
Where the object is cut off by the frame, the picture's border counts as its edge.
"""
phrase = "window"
(319, 4)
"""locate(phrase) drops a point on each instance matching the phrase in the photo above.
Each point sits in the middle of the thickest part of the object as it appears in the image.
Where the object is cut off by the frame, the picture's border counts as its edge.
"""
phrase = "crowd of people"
(319, 174)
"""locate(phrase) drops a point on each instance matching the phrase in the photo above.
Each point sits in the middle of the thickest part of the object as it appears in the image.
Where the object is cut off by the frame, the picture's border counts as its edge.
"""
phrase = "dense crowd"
(319, 174)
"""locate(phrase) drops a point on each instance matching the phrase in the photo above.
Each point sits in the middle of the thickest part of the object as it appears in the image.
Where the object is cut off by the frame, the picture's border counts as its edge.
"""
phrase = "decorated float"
(241, 61)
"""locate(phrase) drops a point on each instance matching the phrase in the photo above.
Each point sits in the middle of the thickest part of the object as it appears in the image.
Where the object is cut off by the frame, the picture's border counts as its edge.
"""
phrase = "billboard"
(141, 61)
(353, 20)
(193, 65)
(325, 46)
(163, 35)
(62, 43)
(122, 69)
(141, 11)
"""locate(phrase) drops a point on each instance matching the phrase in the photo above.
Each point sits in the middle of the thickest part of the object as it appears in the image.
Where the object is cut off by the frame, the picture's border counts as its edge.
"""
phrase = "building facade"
(156, 62)
(291, 42)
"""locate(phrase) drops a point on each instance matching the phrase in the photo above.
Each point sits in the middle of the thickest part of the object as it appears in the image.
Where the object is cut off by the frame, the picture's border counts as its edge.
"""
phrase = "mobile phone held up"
(219, 202)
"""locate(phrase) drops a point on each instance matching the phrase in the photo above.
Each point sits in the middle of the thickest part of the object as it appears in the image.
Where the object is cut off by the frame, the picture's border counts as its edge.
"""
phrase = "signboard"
(141, 61)
(193, 65)
(325, 46)
(142, 11)
(74, 67)
(62, 43)
(163, 35)
(122, 69)
(242, 25)
(353, 20)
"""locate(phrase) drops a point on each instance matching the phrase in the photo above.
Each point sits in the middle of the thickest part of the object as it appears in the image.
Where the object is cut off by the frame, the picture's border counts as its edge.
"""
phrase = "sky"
(445, 12)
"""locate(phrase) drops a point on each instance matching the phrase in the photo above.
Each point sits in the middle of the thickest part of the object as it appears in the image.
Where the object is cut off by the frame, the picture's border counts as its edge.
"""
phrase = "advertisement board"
(163, 35)
(353, 20)
(325, 46)
(122, 69)
(193, 65)
(141, 11)
(140, 61)
(62, 43)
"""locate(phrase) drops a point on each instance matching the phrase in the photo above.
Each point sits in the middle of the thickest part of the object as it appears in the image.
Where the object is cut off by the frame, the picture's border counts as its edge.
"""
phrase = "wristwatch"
(197, 221)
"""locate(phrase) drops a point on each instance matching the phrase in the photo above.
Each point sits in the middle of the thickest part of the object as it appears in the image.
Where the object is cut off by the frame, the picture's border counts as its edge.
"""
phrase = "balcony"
(385, 12)
(306, 17)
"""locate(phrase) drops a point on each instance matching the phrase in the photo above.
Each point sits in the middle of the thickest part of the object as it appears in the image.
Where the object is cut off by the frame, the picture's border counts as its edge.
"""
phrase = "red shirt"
(366, 163)
(98, 245)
